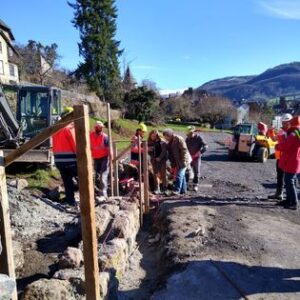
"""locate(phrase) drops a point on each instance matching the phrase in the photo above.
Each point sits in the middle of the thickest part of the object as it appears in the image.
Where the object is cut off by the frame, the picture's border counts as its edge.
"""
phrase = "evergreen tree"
(141, 104)
(96, 21)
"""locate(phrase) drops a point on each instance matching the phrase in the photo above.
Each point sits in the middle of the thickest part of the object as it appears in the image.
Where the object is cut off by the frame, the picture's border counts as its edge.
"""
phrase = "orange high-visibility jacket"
(99, 145)
(281, 136)
(64, 145)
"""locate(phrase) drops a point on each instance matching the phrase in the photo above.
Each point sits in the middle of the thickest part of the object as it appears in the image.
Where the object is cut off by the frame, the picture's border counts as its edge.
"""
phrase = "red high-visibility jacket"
(64, 145)
(290, 149)
(99, 145)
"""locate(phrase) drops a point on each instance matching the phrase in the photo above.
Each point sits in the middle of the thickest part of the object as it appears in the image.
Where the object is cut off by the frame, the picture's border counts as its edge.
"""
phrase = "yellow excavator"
(249, 140)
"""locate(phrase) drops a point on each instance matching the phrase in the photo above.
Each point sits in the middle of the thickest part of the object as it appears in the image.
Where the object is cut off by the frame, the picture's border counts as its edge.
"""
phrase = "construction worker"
(290, 162)
(158, 156)
(139, 134)
(281, 136)
(64, 150)
(197, 146)
(100, 153)
(180, 159)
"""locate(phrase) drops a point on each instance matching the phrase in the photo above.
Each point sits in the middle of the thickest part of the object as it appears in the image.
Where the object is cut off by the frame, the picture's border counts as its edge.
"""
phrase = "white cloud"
(144, 67)
(284, 9)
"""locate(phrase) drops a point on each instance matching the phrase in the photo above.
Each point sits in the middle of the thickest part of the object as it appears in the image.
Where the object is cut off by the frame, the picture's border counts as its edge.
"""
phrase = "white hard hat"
(191, 128)
(286, 117)
(99, 124)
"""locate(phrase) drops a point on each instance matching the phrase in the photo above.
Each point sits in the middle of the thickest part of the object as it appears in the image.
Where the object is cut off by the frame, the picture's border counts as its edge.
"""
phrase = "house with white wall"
(9, 73)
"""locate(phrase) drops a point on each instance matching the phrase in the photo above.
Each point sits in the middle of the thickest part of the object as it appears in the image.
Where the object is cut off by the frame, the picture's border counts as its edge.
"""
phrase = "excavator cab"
(38, 107)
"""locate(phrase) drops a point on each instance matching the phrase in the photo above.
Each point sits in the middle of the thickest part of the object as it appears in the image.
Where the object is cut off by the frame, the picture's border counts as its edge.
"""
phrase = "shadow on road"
(175, 202)
(213, 279)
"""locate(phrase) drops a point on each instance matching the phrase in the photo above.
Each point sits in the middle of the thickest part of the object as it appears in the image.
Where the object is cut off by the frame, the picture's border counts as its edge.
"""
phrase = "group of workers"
(287, 153)
(183, 155)
(168, 152)
(172, 154)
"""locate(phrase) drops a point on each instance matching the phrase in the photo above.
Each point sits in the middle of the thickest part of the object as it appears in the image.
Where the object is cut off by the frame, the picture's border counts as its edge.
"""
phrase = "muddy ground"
(225, 242)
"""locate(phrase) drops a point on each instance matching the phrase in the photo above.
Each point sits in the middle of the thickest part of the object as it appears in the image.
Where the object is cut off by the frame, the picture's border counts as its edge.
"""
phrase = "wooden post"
(146, 177)
(6, 258)
(110, 149)
(140, 180)
(122, 153)
(37, 140)
(87, 203)
(116, 171)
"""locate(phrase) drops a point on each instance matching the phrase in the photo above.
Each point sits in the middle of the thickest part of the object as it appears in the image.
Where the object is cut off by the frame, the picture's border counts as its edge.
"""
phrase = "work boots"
(277, 196)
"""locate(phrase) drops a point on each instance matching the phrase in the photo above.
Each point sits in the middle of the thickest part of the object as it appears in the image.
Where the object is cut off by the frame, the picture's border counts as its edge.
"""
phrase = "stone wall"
(117, 224)
(96, 107)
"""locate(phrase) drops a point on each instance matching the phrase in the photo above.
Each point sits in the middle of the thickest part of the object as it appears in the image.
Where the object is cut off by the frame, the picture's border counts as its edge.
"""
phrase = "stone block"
(18, 258)
(113, 255)
(103, 218)
(7, 286)
(71, 258)
(45, 289)
(21, 184)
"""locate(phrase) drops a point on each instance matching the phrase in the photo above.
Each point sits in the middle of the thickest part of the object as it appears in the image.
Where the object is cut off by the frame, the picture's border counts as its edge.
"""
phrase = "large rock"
(124, 225)
(103, 218)
(7, 286)
(71, 258)
(111, 208)
(104, 279)
(52, 289)
(18, 258)
(75, 276)
(113, 255)
(21, 184)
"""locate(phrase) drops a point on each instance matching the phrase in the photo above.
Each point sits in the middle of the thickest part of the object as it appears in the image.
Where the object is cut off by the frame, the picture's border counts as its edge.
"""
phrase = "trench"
(146, 269)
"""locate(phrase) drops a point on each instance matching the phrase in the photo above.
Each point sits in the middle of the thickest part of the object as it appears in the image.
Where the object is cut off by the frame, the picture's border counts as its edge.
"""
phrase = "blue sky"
(176, 43)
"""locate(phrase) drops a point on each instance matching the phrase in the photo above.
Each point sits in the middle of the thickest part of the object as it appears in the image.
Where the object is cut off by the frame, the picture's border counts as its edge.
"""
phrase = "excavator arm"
(9, 128)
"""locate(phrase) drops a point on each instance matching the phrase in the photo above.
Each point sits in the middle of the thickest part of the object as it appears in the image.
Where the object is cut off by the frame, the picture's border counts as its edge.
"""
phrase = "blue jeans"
(101, 167)
(180, 183)
(290, 185)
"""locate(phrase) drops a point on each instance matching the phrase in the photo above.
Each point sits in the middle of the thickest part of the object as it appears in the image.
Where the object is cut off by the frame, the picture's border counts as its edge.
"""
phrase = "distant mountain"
(281, 80)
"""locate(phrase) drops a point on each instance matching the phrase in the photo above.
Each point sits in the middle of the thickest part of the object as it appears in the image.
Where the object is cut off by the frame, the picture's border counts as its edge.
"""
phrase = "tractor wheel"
(262, 154)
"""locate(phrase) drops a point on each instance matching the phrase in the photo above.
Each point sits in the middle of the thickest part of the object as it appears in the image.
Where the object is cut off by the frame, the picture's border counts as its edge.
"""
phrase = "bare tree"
(214, 109)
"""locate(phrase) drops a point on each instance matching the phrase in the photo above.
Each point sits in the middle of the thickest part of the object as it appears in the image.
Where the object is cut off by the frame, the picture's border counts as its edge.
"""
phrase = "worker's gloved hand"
(174, 171)
(204, 149)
